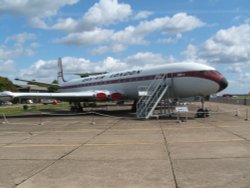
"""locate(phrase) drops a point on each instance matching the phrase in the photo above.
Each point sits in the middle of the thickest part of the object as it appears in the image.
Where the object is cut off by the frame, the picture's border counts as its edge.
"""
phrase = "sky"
(114, 35)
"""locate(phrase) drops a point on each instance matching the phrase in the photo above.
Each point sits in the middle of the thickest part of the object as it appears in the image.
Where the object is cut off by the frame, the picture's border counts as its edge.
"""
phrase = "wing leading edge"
(67, 96)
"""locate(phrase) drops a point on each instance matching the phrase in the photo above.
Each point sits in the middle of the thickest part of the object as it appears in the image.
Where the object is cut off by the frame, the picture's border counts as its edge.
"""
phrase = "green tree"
(53, 88)
(6, 85)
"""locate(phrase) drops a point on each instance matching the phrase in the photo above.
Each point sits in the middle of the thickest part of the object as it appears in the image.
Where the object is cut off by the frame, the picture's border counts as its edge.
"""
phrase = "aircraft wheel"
(206, 113)
(79, 110)
(73, 109)
(200, 113)
(134, 106)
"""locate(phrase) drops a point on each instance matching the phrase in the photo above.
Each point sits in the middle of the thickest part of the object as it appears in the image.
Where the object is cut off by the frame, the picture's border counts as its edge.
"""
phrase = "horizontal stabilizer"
(36, 83)
(83, 75)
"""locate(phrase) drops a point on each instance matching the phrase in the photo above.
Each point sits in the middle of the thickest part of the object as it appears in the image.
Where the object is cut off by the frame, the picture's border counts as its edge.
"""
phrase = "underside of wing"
(67, 96)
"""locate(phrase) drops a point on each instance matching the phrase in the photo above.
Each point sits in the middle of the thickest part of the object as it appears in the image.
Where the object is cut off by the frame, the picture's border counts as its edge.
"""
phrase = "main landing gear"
(202, 112)
(134, 106)
(76, 107)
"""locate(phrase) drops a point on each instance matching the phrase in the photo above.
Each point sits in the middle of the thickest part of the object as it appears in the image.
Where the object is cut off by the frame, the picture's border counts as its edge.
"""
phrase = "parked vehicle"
(49, 101)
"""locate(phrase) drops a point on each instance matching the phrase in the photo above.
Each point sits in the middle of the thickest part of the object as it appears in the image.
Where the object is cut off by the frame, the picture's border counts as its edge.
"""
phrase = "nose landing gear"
(202, 112)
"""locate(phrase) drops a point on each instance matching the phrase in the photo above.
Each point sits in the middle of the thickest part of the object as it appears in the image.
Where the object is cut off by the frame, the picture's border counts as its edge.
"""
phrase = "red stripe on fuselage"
(206, 74)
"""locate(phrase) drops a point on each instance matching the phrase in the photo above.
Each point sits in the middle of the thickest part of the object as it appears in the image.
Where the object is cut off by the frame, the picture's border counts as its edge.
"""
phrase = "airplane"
(186, 79)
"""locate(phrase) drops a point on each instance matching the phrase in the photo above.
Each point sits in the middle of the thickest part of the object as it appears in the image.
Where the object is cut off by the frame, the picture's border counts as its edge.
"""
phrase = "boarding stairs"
(150, 96)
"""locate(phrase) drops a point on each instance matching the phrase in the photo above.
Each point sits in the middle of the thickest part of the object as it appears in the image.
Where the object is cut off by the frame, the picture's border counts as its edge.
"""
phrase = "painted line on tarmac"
(233, 126)
(77, 145)
(41, 145)
(79, 131)
(207, 141)
(134, 130)
(182, 127)
(111, 130)
(124, 144)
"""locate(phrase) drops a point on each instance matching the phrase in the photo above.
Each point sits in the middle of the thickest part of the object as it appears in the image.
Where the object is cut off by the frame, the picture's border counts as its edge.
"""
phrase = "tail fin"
(60, 76)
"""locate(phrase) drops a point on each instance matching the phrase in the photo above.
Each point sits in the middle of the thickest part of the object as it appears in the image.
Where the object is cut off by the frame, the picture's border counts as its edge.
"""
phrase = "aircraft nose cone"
(223, 84)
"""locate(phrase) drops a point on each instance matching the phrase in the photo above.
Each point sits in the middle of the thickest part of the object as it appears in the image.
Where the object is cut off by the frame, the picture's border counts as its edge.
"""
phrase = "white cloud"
(21, 44)
(103, 13)
(33, 8)
(15, 51)
(111, 64)
(142, 15)
(40, 71)
(228, 45)
(37, 11)
(147, 59)
(190, 52)
(118, 47)
(171, 40)
(117, 41)
(96, 36)
(129, 35)
(191, 55)
(113, 47)
(180, 22)
(100, 50)
(67, 24)
(8, 67)
(240, 83)
(89, 28)
(21, 37)
(46, 71)
(5, 53)
(236, 68)
(245, 78)
(106, 12)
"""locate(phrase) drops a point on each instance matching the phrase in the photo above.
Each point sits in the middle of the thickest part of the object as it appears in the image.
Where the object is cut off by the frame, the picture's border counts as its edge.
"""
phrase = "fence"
(231, 100)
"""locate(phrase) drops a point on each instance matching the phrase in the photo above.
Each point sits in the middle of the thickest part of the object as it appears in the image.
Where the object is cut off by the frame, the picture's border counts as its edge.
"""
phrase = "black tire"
(206, 113)
(200, 113)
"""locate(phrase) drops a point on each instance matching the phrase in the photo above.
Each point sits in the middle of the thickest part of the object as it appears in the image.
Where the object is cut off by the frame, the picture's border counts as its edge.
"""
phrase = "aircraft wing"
(37, 83)
(67, 96)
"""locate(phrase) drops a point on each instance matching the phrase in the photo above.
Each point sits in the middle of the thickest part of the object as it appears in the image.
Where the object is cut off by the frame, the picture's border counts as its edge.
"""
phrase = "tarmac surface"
(96, 151)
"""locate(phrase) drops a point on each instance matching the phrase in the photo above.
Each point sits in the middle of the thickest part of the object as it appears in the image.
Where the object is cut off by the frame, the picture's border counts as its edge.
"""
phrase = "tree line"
(6, 85)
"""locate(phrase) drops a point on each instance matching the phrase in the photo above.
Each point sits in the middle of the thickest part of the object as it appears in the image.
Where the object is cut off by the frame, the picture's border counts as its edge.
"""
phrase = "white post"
(237, 112)
(246, 115)
(5, 119)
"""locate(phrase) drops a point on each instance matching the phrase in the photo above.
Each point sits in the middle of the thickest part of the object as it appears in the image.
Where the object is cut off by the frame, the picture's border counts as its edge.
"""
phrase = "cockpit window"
(212, 72)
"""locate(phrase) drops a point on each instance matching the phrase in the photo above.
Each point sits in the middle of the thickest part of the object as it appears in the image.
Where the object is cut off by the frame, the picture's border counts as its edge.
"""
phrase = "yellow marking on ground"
(180, 128)
(113, 144)
(233, 126)
(134, 130)
(77, 145)
(111, 130)
(87, 130)
(42, 145)
(207, 141)
(121, 144)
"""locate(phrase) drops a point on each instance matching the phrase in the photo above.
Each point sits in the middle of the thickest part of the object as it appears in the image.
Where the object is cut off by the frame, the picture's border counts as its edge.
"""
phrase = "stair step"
(155, 91)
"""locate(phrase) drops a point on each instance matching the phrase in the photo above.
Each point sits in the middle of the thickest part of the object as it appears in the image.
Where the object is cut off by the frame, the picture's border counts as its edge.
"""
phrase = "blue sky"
(111, 35)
